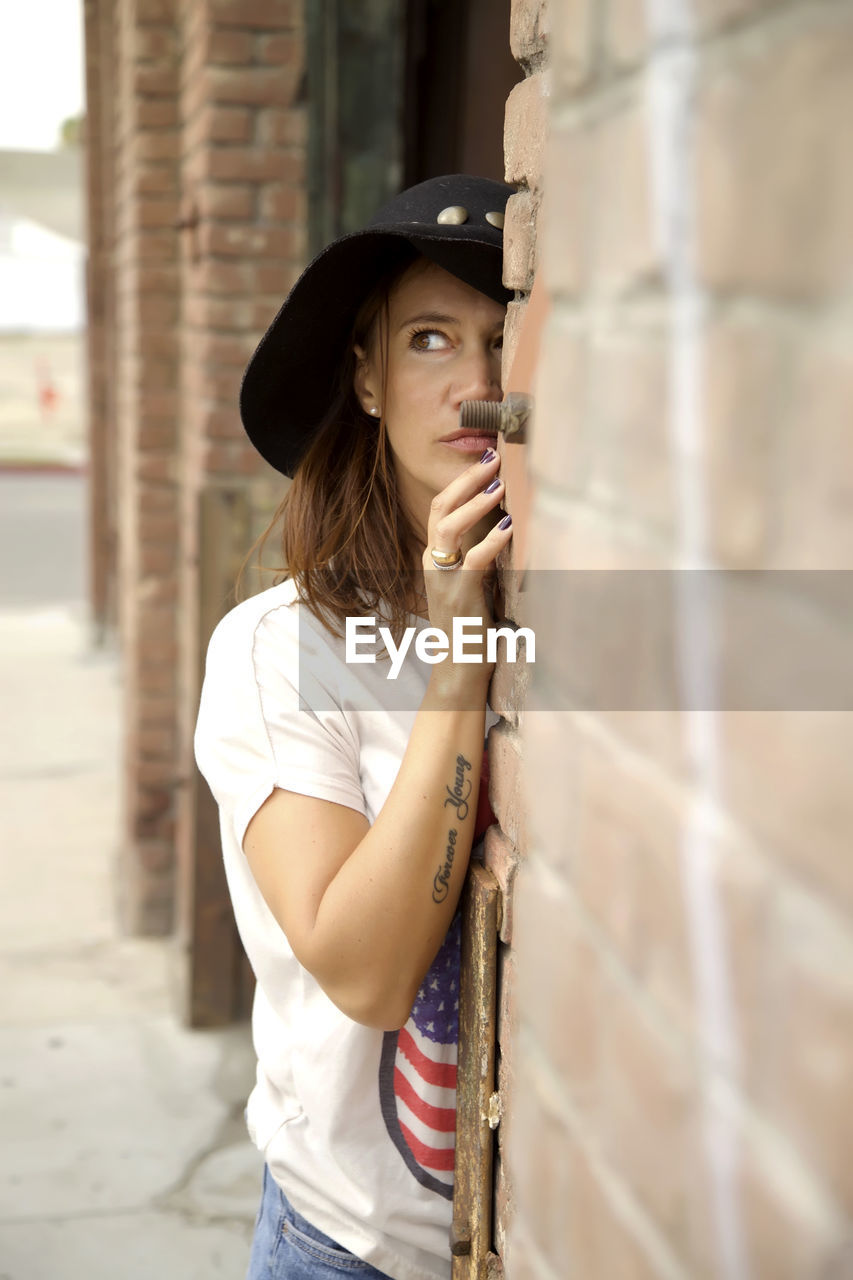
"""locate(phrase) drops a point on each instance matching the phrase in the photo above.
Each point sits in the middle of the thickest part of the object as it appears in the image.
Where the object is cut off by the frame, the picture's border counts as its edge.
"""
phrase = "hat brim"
(289, 382)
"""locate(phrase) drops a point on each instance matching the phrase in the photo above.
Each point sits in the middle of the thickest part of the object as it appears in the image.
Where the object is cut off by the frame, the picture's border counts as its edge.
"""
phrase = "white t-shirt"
(357, 1125)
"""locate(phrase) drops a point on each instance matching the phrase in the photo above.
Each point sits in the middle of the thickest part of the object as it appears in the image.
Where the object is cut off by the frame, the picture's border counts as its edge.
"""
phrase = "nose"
(479, 375)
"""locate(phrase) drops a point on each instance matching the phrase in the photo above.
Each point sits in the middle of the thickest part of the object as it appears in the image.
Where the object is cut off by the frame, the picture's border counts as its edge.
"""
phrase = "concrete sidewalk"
(123, 1148)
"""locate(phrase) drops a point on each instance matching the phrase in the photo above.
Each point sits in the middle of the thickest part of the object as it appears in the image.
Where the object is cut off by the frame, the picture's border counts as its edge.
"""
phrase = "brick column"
(683, 921)
(243, 243)
(146, 374)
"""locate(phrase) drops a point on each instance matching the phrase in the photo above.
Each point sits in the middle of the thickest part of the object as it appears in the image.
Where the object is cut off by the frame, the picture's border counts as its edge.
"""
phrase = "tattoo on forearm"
(457, 796)
(441, 880)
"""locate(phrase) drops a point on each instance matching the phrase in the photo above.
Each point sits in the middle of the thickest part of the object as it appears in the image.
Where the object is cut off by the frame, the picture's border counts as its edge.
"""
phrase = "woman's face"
(444, 346)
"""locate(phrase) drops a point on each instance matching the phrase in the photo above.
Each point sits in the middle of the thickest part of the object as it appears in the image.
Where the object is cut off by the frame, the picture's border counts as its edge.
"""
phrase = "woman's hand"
(465, 591)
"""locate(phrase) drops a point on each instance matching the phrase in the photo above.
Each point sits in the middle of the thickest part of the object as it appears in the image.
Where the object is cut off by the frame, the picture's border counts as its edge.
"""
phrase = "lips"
(469, 441)
(468, 434)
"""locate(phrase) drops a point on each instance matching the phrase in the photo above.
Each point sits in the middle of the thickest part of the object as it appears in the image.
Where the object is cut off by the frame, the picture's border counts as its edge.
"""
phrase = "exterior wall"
(147, 301)
(243, 244)
(197, 225)
(682, 966)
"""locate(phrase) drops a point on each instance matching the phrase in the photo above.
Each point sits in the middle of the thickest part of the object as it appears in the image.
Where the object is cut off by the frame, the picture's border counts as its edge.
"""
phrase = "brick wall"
(145, 373)
(242, 247)
(197, 223)
(679, 1051)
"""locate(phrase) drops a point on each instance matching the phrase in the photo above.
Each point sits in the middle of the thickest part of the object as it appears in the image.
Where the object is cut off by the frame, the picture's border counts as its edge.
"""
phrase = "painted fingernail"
(490, 488)
(488, 455)
(505, 523)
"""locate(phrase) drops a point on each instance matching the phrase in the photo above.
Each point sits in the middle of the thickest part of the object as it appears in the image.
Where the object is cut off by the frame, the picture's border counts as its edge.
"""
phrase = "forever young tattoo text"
(457, 797)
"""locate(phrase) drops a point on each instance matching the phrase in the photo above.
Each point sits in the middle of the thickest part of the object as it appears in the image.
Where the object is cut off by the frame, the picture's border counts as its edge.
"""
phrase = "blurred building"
(42, 233)
(675, 972)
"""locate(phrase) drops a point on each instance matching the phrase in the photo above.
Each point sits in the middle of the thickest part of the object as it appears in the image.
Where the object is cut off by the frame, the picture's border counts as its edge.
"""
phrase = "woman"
(348, 797)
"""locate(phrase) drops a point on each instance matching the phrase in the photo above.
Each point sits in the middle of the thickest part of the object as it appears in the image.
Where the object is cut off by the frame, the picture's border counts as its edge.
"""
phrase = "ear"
(365, 381)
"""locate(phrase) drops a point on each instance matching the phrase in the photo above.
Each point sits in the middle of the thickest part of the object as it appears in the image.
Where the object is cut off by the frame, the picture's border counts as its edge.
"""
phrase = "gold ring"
(445, 559)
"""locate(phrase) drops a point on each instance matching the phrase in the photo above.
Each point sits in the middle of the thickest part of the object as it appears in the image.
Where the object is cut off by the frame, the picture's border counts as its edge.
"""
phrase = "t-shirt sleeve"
(255, 732)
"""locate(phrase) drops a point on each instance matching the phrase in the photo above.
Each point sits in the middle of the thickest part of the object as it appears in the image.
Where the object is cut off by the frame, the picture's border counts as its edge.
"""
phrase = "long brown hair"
(345, 537)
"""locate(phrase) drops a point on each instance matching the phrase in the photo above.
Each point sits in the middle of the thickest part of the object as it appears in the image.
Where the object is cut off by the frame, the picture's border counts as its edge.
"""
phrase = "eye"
(429, 340)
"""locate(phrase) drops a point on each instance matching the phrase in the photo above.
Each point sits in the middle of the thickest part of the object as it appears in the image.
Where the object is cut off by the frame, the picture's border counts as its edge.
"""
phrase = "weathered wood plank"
(472, 1195)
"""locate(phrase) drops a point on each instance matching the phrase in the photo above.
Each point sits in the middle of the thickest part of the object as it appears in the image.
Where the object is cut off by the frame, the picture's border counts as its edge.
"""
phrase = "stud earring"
(374, 411)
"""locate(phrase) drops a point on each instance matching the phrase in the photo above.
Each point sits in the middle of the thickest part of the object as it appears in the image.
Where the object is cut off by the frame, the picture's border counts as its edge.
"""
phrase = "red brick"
(156, 560)
(525, 130)
(155, 179)
(222, 350)
(262, 14)
(816, 446)
(282, 202)
(155, 80)
(224, 278)
(154, 434)
(528, 31)
(550, 735)
(561, 399)
(154, 855)
(153, 13)
(650, 1119)
(263, 86)
(227, 124)
(157, 113)
(626, 32)
(157, 144)
(157, 468)
(277, 278)
(154, 43)
(160, 528)
(225, 200)
(250, 241)
(157, 311)
(502, 859)
(221, 424)
(807, 1007)
(156, 213)
(572, 44)
(806, 822)
(538, 1146)
(282, 50)
(520, 241)
(156, 743)
(281, 127)
(763, 189)
(560, 984)
(238, 165)
(505, 783)
(597, 223)
(229, 48)
(227, 459)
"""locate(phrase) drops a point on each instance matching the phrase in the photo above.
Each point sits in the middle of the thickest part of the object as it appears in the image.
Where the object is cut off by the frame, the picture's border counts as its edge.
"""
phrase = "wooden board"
(472, 1192)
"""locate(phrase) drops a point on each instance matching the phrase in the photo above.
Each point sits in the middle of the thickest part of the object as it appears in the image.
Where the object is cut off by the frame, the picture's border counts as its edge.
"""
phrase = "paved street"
(123, 1152)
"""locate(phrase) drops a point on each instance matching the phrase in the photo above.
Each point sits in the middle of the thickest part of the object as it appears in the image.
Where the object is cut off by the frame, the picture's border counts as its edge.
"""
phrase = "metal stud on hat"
(454, 215)
(495, 220)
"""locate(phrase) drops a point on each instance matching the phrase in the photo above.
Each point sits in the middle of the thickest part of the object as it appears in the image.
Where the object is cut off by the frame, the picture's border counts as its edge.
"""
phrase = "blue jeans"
(286, 1247)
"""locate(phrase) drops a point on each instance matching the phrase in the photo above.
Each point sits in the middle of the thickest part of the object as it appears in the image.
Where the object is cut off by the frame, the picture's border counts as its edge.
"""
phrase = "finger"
(447, 531)
(464, 486)
(482, 554)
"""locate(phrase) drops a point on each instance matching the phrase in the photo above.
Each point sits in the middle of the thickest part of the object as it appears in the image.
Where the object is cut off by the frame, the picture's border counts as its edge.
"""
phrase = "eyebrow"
(429, 317)
(433, 317)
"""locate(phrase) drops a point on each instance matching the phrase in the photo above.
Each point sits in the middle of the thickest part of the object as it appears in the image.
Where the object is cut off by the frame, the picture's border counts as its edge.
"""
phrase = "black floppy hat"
(455, 220)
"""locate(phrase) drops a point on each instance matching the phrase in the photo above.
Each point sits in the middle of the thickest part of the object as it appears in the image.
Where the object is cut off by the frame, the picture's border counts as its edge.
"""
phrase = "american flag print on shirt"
(417, 1075)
